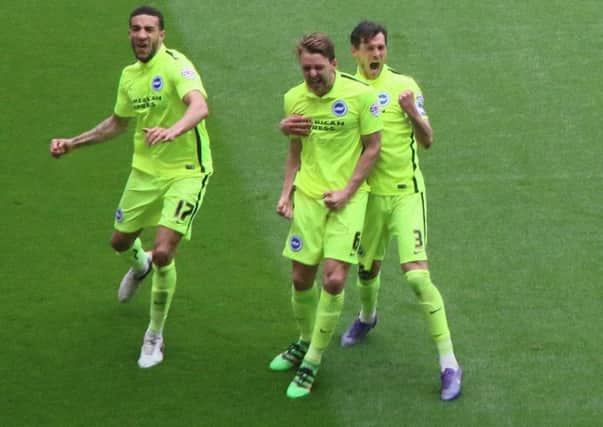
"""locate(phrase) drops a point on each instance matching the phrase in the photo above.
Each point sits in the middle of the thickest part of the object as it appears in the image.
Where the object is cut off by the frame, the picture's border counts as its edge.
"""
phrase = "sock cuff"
(137, 244)
(305, 291)
(444, 344)
(171, 266)
(328, 298)
(361, 283)
(411, 274)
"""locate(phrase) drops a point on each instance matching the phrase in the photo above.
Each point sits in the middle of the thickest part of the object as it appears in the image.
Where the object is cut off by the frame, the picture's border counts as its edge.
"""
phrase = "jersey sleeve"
(186, 78)
(288, 104)
(123, 106)
(370, 114)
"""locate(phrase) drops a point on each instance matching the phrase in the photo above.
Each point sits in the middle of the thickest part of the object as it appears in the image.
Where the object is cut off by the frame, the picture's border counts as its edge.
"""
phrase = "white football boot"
(151, 352)
(131, 280)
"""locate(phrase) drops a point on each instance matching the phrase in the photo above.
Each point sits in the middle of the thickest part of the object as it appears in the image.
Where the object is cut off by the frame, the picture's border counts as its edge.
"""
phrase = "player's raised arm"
(105, 130)
(420, 124)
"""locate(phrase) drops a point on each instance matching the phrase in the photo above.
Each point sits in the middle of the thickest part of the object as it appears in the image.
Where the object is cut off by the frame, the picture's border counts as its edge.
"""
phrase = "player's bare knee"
(119, 243)
(302, 282)
(334, 282)
(161, 257)
(302, 276)
(333, 288)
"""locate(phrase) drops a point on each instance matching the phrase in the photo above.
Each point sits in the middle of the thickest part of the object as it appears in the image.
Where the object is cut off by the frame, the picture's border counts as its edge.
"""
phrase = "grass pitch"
(514, 212)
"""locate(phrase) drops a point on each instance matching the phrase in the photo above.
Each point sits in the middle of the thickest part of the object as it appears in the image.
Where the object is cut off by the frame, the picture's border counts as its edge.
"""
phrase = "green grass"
(513, 183)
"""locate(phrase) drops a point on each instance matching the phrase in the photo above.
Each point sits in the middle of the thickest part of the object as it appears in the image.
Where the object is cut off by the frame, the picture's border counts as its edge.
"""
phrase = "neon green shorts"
(317, 233)
(403, 217)
(149, 201)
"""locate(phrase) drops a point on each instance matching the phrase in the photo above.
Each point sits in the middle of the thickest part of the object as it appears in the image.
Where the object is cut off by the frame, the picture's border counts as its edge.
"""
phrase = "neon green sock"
(368, 291)
(162, 292)
(327, 315)
(135, 256)
(432, 304)
(444, 345)
(430, 301)
(304, 310)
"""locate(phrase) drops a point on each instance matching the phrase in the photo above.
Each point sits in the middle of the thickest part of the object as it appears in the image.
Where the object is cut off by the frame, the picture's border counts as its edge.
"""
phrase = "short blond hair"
(316, 43)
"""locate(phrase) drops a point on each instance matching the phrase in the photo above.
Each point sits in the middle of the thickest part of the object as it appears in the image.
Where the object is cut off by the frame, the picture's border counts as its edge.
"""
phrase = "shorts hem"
(419, 259)
(347, 261)
(117, 227)
(301, 260)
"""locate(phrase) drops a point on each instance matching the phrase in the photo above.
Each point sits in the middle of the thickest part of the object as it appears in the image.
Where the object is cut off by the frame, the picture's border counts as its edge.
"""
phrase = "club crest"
(157, 83)
(339, 108)
(296, 243)
(383, 99)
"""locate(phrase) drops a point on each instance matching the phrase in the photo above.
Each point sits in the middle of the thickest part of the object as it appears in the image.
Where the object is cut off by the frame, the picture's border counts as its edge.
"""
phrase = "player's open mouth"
(374, 65)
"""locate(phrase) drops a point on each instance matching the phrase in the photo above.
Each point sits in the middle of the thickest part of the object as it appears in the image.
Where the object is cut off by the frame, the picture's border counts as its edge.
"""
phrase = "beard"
(152, 50)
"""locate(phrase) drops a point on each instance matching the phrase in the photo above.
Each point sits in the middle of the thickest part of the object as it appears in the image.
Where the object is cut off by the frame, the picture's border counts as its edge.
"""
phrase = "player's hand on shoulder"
(284, 208)
(60, 146)
(406, 99)
(296, 124)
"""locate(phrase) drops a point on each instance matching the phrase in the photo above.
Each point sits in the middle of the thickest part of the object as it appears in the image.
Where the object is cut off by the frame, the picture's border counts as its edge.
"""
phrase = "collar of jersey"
(154, 58)
(371, 82)
(331, 93)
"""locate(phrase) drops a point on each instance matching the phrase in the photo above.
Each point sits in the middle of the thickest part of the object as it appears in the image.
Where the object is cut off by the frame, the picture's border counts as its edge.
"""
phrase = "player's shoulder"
(296, 91)
(178, 65)
(174, 59)
(174, 55)
(129, 71)
(352, 82)
(399, 77)
(130, 68)
(352, 87)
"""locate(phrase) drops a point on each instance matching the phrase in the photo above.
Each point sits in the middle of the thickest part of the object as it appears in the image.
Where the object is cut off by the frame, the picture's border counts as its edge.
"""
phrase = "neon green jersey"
(330, 153)
(152, 92)
(397, 170)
